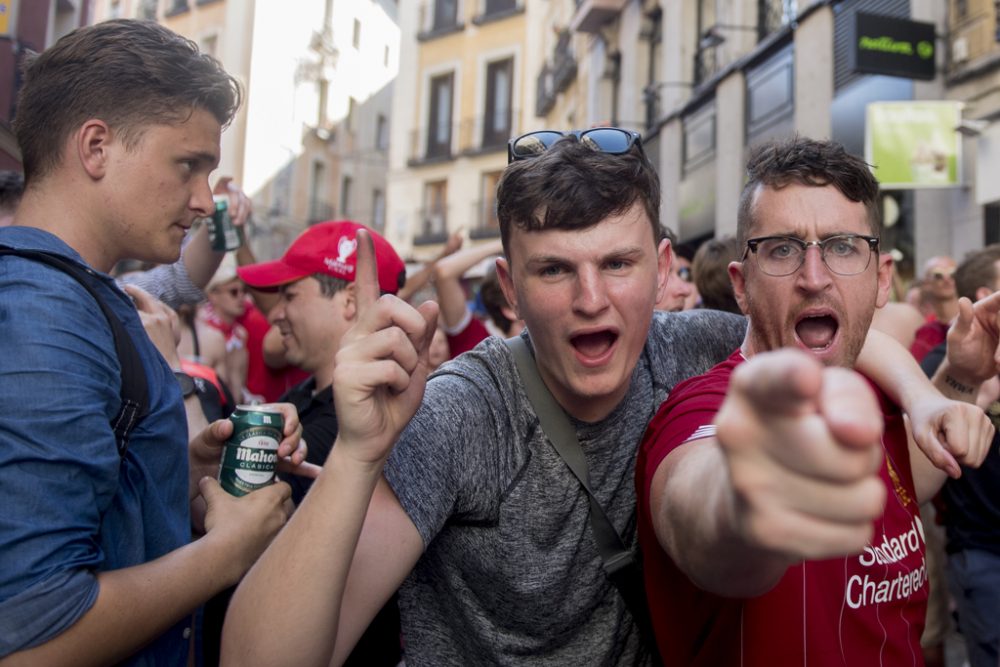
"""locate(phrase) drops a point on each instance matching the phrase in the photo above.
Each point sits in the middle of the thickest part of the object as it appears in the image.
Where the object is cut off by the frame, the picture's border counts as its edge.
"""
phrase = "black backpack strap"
(134, 389)
(621, 564)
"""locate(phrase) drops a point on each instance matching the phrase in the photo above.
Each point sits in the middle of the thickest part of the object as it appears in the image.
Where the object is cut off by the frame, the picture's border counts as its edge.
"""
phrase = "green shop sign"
(892, 46)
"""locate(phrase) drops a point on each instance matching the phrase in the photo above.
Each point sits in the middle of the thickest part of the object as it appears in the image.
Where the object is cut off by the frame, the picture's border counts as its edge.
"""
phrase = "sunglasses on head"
(612, 140)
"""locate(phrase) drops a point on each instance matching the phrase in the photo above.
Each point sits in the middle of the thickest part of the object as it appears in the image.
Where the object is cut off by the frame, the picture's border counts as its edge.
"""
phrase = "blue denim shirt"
(71, 506)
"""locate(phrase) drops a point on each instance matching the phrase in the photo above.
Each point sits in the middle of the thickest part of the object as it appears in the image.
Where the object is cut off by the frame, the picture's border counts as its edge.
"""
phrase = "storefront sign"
(914, 144)
(988, 165)
(893, 46)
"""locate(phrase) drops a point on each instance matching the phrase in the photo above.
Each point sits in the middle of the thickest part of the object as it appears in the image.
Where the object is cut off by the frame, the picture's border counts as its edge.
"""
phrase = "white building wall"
(814, 75)
(730, 105)
(404, 192)
(630, 110)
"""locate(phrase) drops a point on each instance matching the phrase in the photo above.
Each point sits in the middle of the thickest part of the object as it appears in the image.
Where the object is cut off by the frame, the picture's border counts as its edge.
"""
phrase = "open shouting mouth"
(594, 347)
(817, 331)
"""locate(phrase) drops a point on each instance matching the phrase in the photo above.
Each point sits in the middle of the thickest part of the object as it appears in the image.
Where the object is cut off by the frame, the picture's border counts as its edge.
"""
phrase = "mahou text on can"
(251, 453)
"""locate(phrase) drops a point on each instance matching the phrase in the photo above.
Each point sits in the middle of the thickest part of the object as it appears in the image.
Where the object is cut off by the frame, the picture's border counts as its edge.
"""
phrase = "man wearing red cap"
(315, 278)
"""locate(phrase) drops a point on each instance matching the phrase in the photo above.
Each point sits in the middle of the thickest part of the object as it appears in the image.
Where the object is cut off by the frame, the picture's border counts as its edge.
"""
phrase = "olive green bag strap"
(621, 564)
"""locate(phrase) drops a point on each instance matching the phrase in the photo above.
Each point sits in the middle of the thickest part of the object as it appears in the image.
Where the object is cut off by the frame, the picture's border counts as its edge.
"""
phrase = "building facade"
(25, 26)
(463, 91)
(311, 141)
(704, 80)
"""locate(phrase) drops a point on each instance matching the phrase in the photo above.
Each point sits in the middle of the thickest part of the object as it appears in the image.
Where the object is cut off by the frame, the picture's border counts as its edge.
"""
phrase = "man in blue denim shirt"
(119, 126)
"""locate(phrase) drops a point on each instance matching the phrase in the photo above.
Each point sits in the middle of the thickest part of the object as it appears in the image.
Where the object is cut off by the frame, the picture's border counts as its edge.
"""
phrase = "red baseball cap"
(330, 248)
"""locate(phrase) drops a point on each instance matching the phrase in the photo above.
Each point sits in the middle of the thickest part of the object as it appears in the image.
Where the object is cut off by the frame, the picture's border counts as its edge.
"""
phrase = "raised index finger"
(988, 307)
(366, 276)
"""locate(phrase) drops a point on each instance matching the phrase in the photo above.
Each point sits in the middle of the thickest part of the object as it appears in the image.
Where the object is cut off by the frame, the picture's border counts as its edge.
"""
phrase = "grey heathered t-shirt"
(511, 573)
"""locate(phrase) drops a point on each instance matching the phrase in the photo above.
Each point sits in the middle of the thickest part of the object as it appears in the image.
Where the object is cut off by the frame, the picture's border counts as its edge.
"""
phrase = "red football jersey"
(865, 609)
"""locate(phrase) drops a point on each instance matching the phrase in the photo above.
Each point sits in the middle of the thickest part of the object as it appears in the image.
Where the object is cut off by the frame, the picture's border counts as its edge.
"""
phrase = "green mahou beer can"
(251, 453)
(223, 234)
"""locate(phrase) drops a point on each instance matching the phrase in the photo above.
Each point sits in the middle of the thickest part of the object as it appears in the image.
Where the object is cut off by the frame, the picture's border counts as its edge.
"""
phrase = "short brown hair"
(710, 271)
(572, 186)
(494, 300)
(776, 164)
(328, 285)
(978, 269)
(131, 74)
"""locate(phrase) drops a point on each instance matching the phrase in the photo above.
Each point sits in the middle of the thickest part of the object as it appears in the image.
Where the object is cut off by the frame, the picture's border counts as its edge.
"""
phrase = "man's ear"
(983, 292)
(350, 302)
(884, 279)
(738, 279)
(507, 285)
(664, 258)
(92, 146)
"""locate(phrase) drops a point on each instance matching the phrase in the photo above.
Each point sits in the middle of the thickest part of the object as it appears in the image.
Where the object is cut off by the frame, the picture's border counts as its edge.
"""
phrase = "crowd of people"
(604, 452)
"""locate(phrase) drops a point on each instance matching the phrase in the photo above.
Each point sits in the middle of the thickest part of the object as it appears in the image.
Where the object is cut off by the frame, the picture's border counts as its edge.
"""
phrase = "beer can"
(223, 232)
(251, 454)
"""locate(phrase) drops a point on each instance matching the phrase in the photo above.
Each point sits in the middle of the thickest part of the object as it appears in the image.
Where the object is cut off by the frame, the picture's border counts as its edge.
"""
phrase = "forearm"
(927, 478)
(135, 605)
(696, 522)
(244, 254)
(196, 423)
(287, 609)
(454, 266)
(416, 281)
(273, 349)
(199, 259)
(451, 299)
(954, 385)
(236, 365)
(891, 366)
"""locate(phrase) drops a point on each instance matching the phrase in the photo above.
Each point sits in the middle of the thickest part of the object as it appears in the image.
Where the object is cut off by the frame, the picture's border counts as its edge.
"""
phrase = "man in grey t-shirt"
(476, 517)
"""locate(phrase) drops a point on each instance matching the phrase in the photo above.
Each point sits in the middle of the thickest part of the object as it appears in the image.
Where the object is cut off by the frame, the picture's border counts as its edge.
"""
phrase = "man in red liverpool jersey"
(778, 493)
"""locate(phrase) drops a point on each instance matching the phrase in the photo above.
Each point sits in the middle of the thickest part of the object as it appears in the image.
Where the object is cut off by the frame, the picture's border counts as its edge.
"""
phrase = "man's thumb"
(210, 489)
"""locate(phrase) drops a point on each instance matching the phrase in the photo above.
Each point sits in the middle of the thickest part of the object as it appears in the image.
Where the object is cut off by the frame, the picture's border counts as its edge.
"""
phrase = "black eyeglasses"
(613, 140)
(844, 254)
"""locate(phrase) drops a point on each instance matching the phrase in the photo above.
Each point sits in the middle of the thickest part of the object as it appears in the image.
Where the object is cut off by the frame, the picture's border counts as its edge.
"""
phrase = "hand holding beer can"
(250, 455)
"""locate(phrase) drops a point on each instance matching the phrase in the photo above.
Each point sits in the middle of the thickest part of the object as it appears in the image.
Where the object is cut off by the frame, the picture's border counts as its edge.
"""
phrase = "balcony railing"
(545, 93)
(177, 7)
(433, 226)
(472, 136)
(556, 76)
(484, 213)
(705, 64)
(320, 211)
(772, 15)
